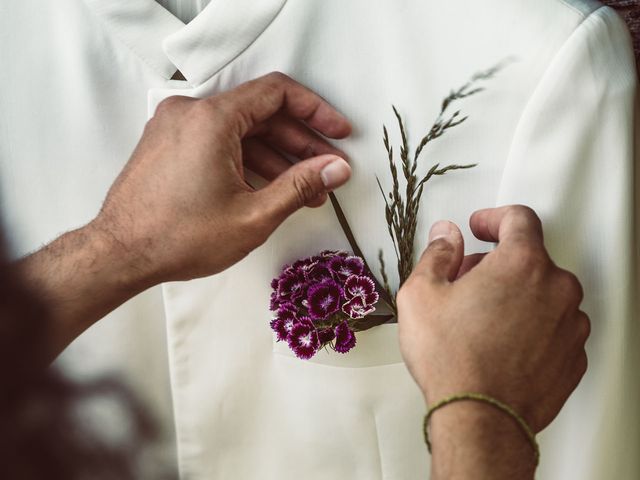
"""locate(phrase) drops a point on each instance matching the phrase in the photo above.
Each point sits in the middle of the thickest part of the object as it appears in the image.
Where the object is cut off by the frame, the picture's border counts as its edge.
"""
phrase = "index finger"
(507, 224)
(258, 100)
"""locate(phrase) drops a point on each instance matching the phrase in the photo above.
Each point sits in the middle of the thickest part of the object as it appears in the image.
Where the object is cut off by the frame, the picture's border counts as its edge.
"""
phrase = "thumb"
(442, 259)
(303, 184)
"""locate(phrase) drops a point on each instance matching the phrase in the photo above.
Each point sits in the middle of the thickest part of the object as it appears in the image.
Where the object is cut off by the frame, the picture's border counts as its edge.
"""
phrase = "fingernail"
(335, 173)
(441, 229)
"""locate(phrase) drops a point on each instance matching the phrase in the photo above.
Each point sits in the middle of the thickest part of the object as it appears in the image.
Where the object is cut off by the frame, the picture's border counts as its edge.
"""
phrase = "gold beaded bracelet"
(491, 401)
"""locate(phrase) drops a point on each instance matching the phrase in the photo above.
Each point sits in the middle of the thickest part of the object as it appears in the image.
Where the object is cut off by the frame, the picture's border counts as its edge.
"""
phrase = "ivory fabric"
(554, 130)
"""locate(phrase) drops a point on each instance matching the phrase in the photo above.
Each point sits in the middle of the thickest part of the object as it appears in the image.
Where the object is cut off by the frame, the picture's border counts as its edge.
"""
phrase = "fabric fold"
(222, 31)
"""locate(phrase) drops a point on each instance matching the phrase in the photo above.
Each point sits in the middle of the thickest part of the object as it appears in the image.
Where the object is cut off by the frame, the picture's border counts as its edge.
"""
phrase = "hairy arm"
(82, 276)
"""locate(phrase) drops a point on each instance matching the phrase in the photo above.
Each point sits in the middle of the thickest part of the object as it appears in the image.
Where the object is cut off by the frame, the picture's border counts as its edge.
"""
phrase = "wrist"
(81, 277)
(471, 439)
(123, 256)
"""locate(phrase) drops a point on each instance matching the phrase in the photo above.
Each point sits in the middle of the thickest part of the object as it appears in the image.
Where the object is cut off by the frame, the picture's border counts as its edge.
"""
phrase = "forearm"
(81, 277)
(475, 441)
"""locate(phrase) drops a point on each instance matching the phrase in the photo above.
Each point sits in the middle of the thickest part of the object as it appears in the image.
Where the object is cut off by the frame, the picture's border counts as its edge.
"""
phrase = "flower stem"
(342, 219)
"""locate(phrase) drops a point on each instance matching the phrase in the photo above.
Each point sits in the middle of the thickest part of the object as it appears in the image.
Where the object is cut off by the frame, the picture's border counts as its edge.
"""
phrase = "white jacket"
(554, 130)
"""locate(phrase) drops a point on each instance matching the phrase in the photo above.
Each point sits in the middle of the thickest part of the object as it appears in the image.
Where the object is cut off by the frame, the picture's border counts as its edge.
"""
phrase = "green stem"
(342, 219)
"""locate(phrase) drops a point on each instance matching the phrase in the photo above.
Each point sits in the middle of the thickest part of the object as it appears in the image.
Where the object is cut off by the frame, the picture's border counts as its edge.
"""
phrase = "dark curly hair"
(47, 430)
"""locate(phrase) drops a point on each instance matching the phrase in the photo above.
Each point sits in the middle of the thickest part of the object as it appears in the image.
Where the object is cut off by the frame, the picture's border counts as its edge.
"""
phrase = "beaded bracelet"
(491, 401)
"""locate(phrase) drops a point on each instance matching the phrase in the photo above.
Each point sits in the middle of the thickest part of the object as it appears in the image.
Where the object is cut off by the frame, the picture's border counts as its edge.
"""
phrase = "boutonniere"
(321, 301)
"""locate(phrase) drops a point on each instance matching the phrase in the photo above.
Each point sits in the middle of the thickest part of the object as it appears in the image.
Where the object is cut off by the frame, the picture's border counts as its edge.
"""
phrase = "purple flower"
(314, 294)
(318, 273)
(326, 335)
(275, 298)
(357, 308)
(278, 326)
(323, 299)
(291, 287)
(284, 321)
(287, 270)
(304, 265)
(345, 338)
(361, 286)
(303, 340)
(274, 302)
(344, 267)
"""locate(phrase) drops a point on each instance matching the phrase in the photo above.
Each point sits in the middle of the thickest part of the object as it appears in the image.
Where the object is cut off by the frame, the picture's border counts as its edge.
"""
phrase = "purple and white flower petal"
(345, 338)
(303, 340)
(278, 326)
(291, 287)
(303, 266)
(358, 308)
(324, 299)
(329, 286)
(372, 298)
(284, 321)
(344, 267)
(360, 286)
(289, 315)
(318, 273)
(287, 270)
(333, 253)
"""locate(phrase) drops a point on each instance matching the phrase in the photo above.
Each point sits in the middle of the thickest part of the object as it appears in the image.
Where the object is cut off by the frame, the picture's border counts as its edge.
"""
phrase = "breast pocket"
(376, 346)
(306, 234)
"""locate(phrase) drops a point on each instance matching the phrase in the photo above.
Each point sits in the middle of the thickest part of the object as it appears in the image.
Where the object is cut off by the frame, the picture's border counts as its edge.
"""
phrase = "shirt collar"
(223, 30)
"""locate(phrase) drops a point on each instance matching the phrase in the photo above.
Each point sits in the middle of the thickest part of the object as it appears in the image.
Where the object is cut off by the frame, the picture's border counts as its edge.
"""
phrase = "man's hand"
(181, 208)
(182, 203)
(510, 327)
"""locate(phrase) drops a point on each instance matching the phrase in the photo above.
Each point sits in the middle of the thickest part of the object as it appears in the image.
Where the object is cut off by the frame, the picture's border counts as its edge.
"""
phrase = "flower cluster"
(317, 300)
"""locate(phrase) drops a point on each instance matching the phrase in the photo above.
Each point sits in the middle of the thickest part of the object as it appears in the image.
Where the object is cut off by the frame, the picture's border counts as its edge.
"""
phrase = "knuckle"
(438, 255)
(204, 108)
(530, 258)
(221, 103)
(524, 212)
(273, 85)
(150, 126)
(271, 90)
(269, 84)
(304, 190)
(306, 151)
(230, 113)
(170, 104)
(571, 287)
(165, 105)
(276, 77)
(583, 327)
(223, 109)
(524, 216)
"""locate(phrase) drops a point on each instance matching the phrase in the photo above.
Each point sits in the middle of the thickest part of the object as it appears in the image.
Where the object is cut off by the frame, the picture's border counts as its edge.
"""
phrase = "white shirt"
(554, 131)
